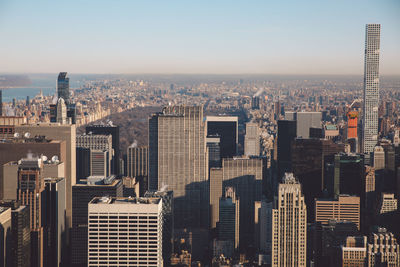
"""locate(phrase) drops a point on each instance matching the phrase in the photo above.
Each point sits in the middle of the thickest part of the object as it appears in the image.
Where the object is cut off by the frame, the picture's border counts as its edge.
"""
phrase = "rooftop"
(125, 200)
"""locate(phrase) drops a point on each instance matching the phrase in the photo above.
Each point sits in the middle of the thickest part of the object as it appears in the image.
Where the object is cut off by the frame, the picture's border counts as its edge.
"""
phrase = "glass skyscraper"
(63, 86)
(371, 87)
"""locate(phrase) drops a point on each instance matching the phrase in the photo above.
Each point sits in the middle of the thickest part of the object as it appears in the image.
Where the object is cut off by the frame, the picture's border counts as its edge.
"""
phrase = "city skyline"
(221, 38)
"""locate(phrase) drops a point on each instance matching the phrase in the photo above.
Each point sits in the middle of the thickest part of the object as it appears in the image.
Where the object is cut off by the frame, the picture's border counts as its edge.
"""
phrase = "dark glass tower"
(286, 135)
(63, 86)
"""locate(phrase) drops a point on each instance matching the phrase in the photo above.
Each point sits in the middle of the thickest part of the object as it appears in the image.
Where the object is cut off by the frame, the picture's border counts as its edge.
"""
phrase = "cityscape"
(200, 168)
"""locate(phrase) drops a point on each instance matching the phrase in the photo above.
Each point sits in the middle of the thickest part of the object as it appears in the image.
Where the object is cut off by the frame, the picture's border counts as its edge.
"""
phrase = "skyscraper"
(178, 158)
(63, 87)
(252, 140)
(226, 127)
(130, 229)
(286, 135)
(289, 225)
(371, 87)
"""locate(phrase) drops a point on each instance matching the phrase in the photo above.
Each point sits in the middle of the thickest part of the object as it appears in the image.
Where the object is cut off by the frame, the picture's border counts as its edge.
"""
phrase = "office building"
(61, 115)
(178, 158)
(82, 194)
(136, 239)
(305, 120)
(252, 140)
(353, 252)
(167, 198)
(378, 158)
(255, 102)
(352, 124)
(55, 250)
(107, 130)
(1, 103)
(137, 164)
(388, 203)
(63, 87)
(286, 135)
(383, 249)
(226, 127)
(5, 236)
(99, 163)
(229, 210)
(65, 133)
(82, 163)
(371, 87)
(30, 193)
(349, 174)
(95, 141)
(20, 235)
(345, 208)
(20, 147)
(214, 151)
(330, 131)
(245, 176)
(289, 225)
(309, 167)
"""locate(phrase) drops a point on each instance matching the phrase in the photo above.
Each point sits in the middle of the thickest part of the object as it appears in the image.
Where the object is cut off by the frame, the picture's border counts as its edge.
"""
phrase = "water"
(45, 82)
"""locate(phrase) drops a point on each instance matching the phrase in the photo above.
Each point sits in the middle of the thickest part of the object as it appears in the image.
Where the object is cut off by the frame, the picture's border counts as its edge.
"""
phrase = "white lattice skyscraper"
(371, 87)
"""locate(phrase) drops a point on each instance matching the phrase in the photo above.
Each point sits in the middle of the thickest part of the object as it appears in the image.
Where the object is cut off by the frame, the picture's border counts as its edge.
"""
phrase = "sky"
(208, 37)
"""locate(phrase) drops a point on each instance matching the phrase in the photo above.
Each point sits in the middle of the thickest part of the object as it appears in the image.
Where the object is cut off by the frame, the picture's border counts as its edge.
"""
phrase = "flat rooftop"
(125, 200)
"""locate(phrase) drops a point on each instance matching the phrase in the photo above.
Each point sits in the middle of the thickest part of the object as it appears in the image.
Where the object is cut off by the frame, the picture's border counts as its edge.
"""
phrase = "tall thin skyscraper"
(371, 87)
(63, 86)
(178, 158)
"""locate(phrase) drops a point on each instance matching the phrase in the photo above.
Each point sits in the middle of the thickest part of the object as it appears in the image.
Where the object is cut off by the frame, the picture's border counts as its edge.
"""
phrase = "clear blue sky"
(285, 37)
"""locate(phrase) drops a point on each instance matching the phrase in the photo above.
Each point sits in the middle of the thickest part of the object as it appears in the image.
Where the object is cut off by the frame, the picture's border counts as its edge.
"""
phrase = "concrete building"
(378, 158)
(388, 203)
(100, 163)
(5, 236)
(371, 87)
(112, 130)
(20, 235)
(226, 127)
(245, 176)
(383, 249)
(136, 239)
(214, 151)
(82, 194)
(66, 133)
(137, 165)
(304, 121)
(330, 131)
(289, 225)
(353, 252)
(20, 147)
(252, 140)
(55, 245)
(95, 141)
(345, 208)
(178, 158)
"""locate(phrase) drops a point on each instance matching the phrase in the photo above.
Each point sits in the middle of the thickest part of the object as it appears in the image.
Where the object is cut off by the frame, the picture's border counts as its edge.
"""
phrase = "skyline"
(193, 38)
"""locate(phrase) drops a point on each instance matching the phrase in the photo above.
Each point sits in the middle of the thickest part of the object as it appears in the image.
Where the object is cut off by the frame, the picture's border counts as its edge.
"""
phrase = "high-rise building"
(61, 115)
(378, 158)
(95, 141)
(388, 203)
(255, 102)
(129, 229)
(229, 210)
(345, 208)
(107, 130)
(309, 167)
(353, 252)
(352, 124)
(252, 140)
(167, 198)
(5, 236)
(20, 235)
(289, 225)
(371, 87)
(383, 249)
(20, 148)
(137, 164)
(178, 158)
(305, 120)
(82, 193)
(1, 103)
(30, 193)
(286, 135)
(65, 133)
(82, 163)
(214, 151)
(245, 176)
(54, 223)
(63, 87)
(226, 127)
(99, 163)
